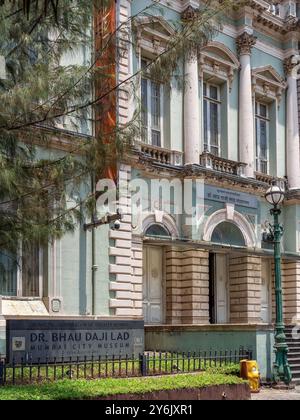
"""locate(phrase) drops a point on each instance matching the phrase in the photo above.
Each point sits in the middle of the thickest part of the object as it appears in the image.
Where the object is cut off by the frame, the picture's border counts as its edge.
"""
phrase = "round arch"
(167, 223)
(238, 219)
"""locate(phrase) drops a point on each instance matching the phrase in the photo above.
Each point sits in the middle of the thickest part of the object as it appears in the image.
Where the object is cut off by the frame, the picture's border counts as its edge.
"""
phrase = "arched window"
(228, 234)
(158, 230)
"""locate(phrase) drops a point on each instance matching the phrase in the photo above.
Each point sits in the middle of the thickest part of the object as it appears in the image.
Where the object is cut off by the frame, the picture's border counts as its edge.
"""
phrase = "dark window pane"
(156, 138)
(30, 271)
(144, 111)
(228, 234)
(155, 105)
(157, 230)
(205, 104)
(213, 92)
(214, 129)
(263, 111)
(8, 273)
(263, 139)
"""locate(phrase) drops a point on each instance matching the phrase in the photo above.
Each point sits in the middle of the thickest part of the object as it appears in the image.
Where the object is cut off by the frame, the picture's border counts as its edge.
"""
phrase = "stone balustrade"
(160, 154)
(269, 179)
(219, 164)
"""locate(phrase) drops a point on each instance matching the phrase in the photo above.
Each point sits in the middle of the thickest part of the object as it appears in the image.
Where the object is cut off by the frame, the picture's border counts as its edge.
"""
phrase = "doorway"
(153, 273)
(218, 288)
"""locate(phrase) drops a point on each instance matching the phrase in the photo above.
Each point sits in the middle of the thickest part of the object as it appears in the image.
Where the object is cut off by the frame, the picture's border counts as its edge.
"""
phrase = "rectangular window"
(20, 275)
(262, 137)
(211, 118)
(8, 273)
(151, 115)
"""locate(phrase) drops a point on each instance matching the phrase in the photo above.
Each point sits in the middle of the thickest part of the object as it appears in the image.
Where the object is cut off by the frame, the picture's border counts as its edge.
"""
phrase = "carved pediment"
(220, 52)
(218, 60)
(268, 83)
(269, 74)
(152, 32)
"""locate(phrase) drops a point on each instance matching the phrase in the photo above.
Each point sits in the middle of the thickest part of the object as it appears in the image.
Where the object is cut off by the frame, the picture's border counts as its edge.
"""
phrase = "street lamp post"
(281, 370)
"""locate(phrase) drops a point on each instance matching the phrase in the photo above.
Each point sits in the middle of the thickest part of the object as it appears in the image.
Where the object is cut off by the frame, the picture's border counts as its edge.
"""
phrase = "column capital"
(245, 42)
(190, 13)
(290, 65)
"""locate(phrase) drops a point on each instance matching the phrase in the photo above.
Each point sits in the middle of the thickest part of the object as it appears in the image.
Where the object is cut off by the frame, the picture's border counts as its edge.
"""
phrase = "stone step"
(294, 356)
(296, 374)
(295, 347)
(291, 336)
(294, 366)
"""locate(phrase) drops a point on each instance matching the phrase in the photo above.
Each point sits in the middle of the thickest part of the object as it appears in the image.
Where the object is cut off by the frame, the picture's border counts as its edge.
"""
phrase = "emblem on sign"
(18, 344)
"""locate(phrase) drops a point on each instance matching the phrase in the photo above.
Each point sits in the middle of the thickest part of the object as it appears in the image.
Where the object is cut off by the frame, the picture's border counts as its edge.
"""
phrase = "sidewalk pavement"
(272, 394)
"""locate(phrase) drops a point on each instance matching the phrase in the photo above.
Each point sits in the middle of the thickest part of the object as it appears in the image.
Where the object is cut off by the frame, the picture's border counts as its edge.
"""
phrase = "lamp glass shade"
(275, 195)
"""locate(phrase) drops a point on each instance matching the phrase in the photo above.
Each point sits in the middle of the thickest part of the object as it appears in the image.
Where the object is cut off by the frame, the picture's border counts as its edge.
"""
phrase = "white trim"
(238, 219)
(231, 60)
(231, 31)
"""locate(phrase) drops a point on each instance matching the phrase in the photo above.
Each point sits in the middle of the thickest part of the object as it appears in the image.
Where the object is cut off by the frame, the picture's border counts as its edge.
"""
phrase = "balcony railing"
(269, 179)
(219, 164)
(160, 154)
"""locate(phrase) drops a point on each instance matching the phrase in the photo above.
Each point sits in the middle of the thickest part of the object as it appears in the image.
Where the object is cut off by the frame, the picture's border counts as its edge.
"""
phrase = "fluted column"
(292, 122)
(245, 42)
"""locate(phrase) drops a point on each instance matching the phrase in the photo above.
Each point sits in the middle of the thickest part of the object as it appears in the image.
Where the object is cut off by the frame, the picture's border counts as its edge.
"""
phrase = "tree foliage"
(44, 193)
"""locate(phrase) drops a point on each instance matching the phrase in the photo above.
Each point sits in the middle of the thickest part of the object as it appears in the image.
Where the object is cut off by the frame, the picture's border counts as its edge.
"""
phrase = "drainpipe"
(94, 266)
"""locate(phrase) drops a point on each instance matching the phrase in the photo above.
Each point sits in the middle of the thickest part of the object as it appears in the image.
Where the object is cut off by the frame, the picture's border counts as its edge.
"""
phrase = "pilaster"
(245, 289)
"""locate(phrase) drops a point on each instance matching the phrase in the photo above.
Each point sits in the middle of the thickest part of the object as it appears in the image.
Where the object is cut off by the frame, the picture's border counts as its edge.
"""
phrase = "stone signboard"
(40, 341)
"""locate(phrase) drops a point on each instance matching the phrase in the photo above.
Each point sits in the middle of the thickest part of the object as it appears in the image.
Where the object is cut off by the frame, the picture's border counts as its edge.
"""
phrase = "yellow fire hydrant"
(250, 372)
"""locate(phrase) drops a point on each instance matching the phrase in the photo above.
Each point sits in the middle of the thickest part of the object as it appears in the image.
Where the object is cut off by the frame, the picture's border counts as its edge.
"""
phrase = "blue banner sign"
(230, 196)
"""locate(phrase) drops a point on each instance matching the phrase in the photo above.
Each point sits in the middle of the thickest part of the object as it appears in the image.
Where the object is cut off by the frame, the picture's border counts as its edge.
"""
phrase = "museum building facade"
(203, 281)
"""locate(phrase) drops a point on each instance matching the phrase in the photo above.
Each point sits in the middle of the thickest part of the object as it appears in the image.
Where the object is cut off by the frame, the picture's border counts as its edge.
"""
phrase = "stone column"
(292, 121)
(245, 42)
(191, 113)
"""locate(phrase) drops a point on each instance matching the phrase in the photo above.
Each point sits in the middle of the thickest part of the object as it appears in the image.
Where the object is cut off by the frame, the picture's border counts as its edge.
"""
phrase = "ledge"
(238, 392)
(209, 328)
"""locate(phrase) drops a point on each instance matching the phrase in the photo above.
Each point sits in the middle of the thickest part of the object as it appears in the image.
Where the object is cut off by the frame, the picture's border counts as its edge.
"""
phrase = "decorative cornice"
(245, 43)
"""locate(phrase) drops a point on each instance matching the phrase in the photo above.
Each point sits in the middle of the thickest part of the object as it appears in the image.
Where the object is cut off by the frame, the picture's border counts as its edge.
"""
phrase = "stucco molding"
(237, 219)
(152, 33)
(217, 60)
(268, 83)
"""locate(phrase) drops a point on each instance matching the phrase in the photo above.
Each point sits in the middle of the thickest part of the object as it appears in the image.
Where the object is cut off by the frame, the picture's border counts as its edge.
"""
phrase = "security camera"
(117, 225)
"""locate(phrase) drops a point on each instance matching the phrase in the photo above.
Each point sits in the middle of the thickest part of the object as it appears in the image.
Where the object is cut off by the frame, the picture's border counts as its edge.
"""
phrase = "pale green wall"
(290, 219)
(259, 342)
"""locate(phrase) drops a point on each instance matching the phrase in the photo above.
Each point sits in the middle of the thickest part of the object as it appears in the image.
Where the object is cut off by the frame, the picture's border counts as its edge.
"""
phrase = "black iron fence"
(146, 364)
